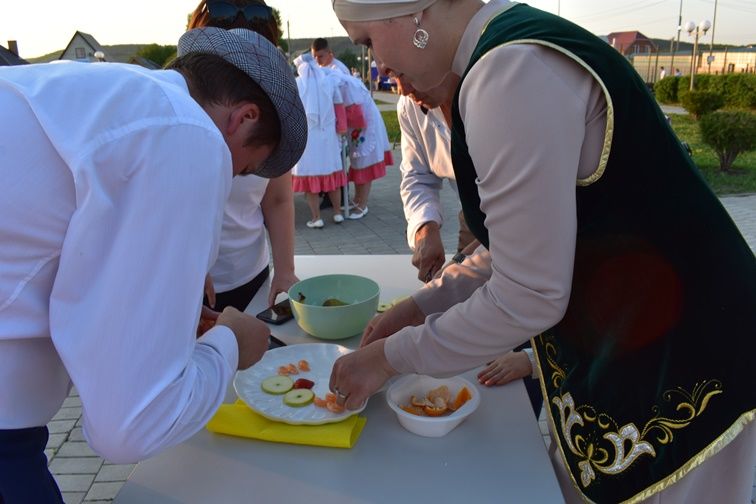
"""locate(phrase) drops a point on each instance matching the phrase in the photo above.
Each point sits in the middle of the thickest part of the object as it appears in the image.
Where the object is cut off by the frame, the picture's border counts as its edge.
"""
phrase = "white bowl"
(400, 392)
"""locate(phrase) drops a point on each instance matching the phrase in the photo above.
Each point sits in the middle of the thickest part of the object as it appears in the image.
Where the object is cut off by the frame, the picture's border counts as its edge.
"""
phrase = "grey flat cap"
(265, 64)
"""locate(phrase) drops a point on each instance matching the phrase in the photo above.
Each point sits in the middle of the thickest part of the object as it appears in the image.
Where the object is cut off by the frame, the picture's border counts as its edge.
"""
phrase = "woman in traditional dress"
(320, 167)
(600, 242)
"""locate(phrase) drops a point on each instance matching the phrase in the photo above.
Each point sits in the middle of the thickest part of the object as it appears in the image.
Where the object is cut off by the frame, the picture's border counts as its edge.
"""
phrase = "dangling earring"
(420, 38)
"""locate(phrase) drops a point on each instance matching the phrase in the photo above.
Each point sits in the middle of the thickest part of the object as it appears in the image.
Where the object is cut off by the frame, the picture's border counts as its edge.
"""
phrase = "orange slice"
(420, 402)
(435, 410)
(463, 396)
(414, 410)
(441, 392)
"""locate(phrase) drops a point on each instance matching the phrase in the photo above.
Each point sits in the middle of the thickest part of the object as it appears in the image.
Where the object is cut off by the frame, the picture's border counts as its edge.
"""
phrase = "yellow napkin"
(238, 420)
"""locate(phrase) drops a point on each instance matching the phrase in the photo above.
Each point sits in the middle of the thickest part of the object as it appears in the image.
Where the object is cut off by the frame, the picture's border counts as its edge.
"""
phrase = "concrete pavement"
(84, 477)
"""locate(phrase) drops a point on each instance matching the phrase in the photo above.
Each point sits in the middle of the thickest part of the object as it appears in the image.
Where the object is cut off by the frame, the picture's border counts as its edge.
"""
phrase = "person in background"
(662, 73)
(583, 251)
(110, 223)
(319, 169)
(368, 144)
(374, 76)
(426, 163)
(678, 73)
(324, 56)
(255, 204)
(356, 74)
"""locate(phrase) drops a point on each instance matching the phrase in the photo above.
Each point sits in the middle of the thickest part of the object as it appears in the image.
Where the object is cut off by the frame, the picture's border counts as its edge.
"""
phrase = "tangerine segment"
(435, 410)
(334, 408)
(414, 410)
(463, 396)
(303, 365)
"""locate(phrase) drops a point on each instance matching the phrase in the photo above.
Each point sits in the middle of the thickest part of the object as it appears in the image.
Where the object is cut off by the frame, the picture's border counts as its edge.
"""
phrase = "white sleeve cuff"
(223, 340)
(533, 366)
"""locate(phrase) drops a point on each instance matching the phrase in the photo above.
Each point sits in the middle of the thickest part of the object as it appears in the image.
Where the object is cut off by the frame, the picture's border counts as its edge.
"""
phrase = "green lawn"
(392, 126)
(742, 179)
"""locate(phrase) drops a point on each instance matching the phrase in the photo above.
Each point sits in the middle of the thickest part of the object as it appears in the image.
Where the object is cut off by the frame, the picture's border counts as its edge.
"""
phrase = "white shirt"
(114, 182)
(338, 65)
(527, 171)
(426, 162)
(243, 251)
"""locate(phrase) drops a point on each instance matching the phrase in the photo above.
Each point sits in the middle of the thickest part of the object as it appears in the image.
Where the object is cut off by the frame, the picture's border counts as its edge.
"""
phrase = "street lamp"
(700, 29)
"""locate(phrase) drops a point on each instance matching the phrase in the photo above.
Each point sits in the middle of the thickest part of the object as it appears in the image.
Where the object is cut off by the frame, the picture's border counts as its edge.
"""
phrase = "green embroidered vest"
(648, 373)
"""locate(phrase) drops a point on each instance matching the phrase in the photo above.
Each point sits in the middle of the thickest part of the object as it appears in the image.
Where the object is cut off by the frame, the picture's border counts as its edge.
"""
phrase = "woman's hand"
(510, 366)
(401, 315)
(209, 291)
(207, 320)
(280, 283)
(358, 375)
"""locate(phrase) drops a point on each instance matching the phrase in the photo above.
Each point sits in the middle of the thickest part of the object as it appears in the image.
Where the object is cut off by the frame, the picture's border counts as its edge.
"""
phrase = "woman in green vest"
(600, 242)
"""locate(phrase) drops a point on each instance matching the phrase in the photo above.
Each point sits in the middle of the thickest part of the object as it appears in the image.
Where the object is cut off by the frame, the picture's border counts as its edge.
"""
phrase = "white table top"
(496, 455)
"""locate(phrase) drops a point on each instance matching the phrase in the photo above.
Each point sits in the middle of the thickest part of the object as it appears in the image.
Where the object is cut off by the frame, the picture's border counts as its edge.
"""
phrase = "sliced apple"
(298, 397)
(277, 385)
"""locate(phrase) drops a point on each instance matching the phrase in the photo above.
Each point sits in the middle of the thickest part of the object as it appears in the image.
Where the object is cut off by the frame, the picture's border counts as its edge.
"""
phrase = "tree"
(349, 59)
(282, 43)
(729, 134)
(160, 54)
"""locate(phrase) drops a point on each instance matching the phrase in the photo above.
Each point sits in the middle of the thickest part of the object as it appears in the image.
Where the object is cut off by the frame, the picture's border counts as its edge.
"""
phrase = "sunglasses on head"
(227, 12)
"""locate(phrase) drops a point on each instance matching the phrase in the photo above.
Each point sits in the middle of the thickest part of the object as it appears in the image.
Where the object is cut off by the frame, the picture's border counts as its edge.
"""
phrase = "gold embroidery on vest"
(606, 452)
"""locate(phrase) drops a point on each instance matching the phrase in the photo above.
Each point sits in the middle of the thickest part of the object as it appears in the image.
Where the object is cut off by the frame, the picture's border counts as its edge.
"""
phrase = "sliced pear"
(334, 302)
(384, 307)
(298, 397)
(277, 385)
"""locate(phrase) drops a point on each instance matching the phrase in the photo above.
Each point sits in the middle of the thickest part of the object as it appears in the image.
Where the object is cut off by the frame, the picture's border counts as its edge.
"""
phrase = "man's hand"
(251, 335)
(510, 366)
(401, 315)
(429, 256)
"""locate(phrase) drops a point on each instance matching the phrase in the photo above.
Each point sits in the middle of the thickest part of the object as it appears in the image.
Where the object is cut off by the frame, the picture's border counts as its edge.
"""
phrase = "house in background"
(83, 47)
(631, 43)
(9, 57)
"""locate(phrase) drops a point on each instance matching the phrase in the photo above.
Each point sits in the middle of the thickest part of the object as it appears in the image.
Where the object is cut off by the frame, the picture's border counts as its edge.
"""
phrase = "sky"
(163, 21)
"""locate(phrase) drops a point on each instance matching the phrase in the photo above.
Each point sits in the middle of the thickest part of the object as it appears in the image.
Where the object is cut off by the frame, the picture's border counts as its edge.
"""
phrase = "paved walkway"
(84, 477)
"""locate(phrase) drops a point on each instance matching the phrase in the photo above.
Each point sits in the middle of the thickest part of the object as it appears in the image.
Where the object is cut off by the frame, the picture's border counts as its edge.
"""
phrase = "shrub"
(729, 134)
(666, 89)
(740, 90)
(699, 103)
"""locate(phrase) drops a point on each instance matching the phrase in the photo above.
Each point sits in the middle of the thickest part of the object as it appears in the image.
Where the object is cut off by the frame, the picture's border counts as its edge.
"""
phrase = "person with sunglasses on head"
(255, 204)
(116, 178)
(620, 266)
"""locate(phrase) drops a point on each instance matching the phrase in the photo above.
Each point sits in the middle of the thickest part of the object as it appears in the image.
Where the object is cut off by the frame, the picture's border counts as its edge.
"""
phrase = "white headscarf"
(317, 103)
(374, 10)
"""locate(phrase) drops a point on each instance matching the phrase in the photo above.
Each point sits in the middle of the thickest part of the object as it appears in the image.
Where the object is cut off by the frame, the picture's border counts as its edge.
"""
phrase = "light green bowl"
(334, 322)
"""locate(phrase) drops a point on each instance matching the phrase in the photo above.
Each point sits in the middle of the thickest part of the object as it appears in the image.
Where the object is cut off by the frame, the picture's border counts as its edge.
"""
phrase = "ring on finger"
(340, 395)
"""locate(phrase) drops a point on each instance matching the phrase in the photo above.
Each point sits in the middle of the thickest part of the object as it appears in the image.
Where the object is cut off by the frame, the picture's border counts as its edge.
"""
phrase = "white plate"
(320, 356)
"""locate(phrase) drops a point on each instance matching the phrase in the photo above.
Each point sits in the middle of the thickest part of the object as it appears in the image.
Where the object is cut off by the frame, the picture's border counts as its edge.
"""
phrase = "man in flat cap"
(114, 180)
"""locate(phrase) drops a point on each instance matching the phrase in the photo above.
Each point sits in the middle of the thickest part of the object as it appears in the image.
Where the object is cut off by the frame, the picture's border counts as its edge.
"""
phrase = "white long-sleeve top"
(114, 182)
(527, 171)
(426, 163)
